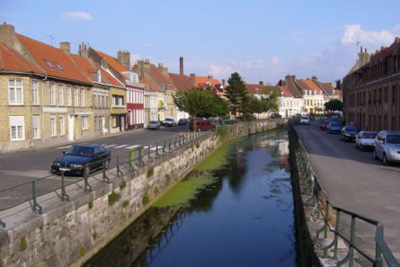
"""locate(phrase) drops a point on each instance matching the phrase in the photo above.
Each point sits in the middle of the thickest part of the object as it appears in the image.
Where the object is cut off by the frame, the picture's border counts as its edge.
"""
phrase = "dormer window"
(59, 66)
(49, 63)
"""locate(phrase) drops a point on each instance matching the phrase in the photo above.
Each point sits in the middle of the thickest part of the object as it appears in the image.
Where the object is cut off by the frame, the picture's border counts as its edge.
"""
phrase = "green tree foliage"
(236, 92)
(254, 105)
(334, 105)
(200, 103)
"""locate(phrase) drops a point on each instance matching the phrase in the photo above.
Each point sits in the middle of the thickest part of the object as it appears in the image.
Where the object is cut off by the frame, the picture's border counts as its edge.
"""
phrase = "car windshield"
(153, 122)
(169, 119)
(326, 122)
(80, 151)
(369, 135)
(393, 139)
(304, 118)
(335, 125)
(351, 128)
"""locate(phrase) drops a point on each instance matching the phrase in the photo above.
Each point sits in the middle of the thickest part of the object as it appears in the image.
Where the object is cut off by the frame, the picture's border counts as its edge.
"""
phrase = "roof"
(113, 62)
(149, 84)
(182, 82)
(11, 60)
(308, 84)
(254, 88)
(285, 91)
(201, 81)
(91, 72)
(160, 79)
(55, 62)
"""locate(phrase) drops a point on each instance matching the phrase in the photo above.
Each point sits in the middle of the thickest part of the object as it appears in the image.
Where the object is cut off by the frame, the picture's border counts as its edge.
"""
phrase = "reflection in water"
(245, 218)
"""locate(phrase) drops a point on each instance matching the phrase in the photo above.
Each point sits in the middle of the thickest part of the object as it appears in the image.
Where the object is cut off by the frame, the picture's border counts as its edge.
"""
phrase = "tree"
(334, 105)
(200, 103)
(236, 92)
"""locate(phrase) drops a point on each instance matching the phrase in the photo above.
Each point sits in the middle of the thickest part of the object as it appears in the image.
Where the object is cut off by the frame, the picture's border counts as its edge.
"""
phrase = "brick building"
(371, 90)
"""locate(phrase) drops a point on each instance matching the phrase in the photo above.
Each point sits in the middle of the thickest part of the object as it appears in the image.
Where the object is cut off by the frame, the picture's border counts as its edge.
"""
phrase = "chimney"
(338, 84)
(66, 47)
(223, 83)
(124, 57)
(210, 78)
(261, 83)
(314, 77)
(181, 72)
(83, 52)
(290, 78)
(7, 34)
(192, 78)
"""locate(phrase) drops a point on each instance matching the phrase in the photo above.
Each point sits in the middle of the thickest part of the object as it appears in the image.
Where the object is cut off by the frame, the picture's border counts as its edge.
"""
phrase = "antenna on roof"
(51, 39)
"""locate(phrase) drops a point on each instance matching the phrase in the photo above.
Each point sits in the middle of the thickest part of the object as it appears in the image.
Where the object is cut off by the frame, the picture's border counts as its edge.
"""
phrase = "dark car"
(324, 125)
(82, 159)
(275, 116)
(348, 133)
(334, 128)
(182, 122)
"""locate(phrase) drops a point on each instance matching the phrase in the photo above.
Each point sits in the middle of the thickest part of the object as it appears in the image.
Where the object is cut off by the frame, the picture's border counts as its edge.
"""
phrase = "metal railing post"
(334, 243)
(149, 158)
(163, 149)
(326, 222)
(88, 187)
(132, 160)
(105, 177)
(64, 195)
(157, 155)
(141, 162)
(119, 172)
(350, 256)
(36, 208)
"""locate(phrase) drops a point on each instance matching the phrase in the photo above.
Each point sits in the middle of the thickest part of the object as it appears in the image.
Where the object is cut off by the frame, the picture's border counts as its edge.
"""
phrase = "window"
(82, 97)
(85, 122)
(53, 126)
(62, 125)
(118, 101)
(15, 89)
(48, 63)
(36, 126)
(35, 93)
(60, 95)
(59, 66)
(52, 94)
(76, 97)
(69, 96)
(17, 128)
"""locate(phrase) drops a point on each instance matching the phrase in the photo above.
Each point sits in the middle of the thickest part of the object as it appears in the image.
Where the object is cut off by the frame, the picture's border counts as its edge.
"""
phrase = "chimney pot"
(261, 83)
(66, 47)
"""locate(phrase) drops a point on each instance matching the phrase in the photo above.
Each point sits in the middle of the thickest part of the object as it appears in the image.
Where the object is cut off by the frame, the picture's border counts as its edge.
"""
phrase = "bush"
(150, 172)
(125, 203)
(90, 204)
(145, 200)
(122, 185)
(22, 244)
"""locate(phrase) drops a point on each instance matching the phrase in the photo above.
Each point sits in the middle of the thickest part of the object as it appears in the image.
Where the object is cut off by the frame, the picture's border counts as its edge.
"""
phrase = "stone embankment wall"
(71, 232)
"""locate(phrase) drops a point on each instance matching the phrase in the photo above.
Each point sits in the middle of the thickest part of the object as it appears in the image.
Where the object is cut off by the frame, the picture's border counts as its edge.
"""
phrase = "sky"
(261, 39)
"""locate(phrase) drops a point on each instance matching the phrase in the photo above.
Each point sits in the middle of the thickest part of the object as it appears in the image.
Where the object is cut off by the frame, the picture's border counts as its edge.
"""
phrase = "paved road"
(356, 182)
(20, 167)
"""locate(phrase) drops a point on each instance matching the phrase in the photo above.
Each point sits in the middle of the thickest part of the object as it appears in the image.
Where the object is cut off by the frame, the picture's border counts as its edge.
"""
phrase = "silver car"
(387, 147)
(153, 125)
(365, 140)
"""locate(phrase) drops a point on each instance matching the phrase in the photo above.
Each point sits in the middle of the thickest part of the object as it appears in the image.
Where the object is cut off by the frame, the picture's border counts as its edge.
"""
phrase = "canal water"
(241, 213)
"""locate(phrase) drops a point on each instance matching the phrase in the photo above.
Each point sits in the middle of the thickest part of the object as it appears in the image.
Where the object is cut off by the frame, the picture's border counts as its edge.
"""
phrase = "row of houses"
(298, 96)
(51, 96)
(372, 89)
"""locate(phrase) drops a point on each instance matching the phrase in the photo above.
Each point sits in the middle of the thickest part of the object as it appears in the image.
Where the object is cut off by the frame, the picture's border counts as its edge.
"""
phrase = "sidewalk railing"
(104, 170)
(318, 198)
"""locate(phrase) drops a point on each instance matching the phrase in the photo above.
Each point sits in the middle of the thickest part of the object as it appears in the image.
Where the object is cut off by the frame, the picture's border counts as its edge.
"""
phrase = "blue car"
(82, 159)
(334, 128)
(348, 133)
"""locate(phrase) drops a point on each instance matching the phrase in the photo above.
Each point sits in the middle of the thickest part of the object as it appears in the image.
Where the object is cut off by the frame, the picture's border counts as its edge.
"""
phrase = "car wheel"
(375, 156)
(385, 160)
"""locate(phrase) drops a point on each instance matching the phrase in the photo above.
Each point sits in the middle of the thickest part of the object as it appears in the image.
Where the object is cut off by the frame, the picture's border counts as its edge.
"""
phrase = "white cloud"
(355, 33)
(221, 70)
(77, 15)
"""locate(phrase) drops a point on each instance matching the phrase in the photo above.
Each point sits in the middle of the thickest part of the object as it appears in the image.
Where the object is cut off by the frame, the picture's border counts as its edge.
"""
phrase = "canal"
(234, 209)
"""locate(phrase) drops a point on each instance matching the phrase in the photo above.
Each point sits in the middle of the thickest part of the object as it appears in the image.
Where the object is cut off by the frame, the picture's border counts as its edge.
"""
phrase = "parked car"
(387, 147)
(305, 120)
(334, 128)
(203, 125)
(275, 116)
(229, 121)
(82, 160)
(169, 122)
(348, 133)
(324, 125)
(297, 116)
(154, 125)
(182, 122)
(365, 140)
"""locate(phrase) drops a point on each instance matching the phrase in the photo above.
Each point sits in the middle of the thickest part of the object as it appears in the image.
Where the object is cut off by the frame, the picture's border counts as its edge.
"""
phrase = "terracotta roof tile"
(113, 62)
(285, 91)
(62, 65)
(254, 88)
(182, 82)
(308, 84)
(11, 60)
(149, 84)
(160, 79)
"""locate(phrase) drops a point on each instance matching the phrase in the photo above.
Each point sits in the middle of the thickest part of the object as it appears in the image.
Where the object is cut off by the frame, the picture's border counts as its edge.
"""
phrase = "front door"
(71, 127)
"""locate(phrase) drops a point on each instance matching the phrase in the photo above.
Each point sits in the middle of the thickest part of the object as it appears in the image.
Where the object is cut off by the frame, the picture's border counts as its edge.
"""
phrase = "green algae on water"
(183, 192)
(218, 158)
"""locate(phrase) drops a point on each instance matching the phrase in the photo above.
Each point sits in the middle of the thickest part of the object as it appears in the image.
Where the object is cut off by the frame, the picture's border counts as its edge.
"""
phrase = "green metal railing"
(318, 199)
